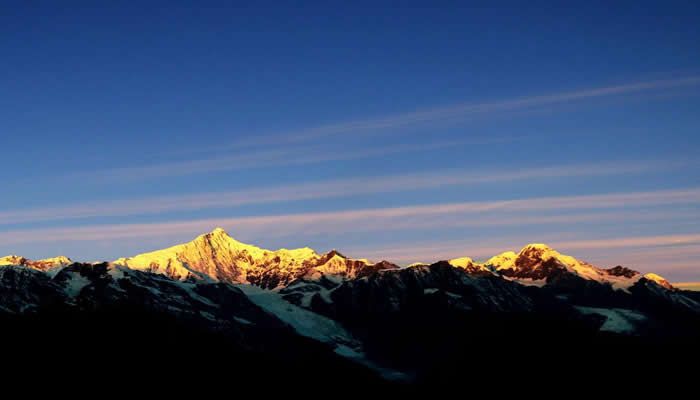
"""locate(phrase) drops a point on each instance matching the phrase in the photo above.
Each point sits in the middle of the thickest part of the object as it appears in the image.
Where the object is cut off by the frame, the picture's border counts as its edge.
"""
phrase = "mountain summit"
(218, 256)
(536, 263)
(43, 264)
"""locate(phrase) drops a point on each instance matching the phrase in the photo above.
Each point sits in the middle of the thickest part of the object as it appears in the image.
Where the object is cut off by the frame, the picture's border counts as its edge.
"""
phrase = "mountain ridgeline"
(328, 315)
(218, 256)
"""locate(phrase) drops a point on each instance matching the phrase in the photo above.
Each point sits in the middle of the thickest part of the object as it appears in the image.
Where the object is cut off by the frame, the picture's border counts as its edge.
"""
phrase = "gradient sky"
(411, 133)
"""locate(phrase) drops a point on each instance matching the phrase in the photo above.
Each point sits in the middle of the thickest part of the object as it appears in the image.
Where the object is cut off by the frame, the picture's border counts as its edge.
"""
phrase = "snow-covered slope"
(305, 322)
(218, 256)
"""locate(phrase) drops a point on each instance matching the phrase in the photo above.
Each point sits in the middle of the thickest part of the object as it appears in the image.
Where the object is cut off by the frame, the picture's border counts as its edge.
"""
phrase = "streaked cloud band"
(351, 187)
(487, 213)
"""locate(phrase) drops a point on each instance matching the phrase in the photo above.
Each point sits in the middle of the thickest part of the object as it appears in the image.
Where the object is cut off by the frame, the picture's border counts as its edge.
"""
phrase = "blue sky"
(413, 133)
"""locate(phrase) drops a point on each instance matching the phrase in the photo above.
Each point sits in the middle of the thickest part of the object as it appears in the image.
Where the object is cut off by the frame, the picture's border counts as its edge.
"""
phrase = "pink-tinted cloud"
(275, 157)
(495, 213)
(381, 184)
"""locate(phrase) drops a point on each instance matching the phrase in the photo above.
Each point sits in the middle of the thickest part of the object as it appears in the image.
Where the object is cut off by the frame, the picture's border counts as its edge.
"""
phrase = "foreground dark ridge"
(374, 322)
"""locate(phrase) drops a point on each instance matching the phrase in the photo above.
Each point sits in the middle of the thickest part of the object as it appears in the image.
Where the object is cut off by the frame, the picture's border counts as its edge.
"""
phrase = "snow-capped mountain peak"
(537, 247)
(503, 259)
(467, 264)
(218, 256)
(219, 231)
(541, 251)
(659, 280)
(60, 260)
(12, 260)
(43, 264)
(461, 262)
(537, 262)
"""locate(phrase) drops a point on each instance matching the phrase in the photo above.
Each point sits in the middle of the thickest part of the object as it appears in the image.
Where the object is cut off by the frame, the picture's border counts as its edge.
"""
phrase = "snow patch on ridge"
(76, 283)
(618, 320)
(305, 322)
(528, 281)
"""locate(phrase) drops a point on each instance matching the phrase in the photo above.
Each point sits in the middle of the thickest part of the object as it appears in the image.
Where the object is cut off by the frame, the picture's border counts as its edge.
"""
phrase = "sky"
(407, 131)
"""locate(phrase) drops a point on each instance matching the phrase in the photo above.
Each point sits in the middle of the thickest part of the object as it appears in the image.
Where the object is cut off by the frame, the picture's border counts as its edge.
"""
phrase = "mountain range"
(377, 322)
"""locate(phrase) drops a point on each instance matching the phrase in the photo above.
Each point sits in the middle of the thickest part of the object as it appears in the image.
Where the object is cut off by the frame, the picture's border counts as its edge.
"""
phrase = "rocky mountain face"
(398, 323)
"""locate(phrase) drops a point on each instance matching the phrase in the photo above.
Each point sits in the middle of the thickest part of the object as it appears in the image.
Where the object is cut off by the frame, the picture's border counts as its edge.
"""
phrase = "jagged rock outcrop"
(622, 271)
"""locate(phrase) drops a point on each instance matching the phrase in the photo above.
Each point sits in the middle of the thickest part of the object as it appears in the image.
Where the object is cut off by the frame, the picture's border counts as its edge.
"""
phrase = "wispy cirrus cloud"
(535, 211)
(638, 241)
(274, 157)
(288, 148)
(459, 111)
(354, 187)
